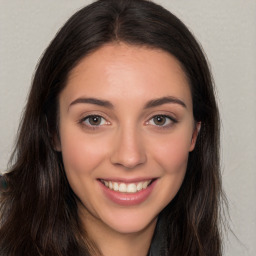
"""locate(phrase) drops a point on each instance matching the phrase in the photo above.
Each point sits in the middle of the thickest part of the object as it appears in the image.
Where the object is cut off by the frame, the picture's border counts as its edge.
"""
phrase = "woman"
(117, 153)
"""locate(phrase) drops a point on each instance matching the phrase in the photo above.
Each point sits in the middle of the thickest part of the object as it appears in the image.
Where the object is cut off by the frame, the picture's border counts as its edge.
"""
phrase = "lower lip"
(128, 199)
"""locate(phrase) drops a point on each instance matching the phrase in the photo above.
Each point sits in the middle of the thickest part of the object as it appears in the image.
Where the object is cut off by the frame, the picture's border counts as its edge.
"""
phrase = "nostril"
(128, 149)
(127, 161)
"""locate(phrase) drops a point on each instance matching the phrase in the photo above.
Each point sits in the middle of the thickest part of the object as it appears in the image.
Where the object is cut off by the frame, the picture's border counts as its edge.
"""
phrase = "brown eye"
(162, 121)
(94, 120)
(159, 120)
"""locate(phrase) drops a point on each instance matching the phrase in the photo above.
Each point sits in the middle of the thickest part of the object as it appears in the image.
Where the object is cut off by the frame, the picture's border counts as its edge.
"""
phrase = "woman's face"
(126, 129)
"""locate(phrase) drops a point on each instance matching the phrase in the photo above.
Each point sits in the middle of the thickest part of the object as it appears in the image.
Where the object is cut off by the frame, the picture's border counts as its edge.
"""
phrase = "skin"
(128, 143)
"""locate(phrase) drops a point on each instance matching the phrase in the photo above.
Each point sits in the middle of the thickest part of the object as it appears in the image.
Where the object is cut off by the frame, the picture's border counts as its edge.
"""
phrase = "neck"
(113, 243)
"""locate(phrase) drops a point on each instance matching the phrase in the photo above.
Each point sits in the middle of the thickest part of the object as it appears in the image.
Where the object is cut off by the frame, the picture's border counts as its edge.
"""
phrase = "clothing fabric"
(158, 243)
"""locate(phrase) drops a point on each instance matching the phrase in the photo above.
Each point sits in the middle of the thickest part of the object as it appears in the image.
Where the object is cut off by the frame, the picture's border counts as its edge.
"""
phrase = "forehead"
(124, 71)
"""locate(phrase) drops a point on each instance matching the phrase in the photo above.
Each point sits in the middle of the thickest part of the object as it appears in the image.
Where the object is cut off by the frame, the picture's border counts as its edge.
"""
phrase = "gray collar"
(158, 243)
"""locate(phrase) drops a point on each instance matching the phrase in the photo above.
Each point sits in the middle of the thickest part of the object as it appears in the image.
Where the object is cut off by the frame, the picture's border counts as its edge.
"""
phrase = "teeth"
(145, 184)
(115, 186)
(131, 188)
(126, 188)
(122, 187)
(139, 186)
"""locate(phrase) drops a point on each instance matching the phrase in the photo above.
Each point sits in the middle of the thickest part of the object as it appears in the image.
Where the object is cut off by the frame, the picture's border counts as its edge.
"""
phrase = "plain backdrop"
(227, 32)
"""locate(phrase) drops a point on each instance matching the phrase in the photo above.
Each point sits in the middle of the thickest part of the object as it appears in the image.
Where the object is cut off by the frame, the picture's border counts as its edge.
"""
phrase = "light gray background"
(227, 32)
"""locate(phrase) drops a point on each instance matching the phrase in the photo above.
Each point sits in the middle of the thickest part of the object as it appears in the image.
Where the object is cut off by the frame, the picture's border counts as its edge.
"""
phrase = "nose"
(128, 149)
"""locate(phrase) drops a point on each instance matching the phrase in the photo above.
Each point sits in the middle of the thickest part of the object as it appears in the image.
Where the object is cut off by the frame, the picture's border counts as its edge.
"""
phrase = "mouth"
(128, 188)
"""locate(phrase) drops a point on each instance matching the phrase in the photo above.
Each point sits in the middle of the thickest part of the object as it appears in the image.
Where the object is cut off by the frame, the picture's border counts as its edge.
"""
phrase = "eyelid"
(86, 114)
(170, 117)
(82, 120)
(95, 116)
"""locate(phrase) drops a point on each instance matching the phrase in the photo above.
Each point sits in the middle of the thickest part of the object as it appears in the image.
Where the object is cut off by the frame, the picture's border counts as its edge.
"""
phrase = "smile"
(126, 187)
(128, 193)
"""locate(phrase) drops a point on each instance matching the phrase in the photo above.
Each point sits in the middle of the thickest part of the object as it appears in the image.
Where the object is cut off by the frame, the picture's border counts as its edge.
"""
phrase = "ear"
(194, 136)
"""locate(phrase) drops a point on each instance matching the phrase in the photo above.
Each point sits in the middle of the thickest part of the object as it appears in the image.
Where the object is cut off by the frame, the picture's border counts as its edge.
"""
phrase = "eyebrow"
(149, 104)
(164, 100)
(102, 103)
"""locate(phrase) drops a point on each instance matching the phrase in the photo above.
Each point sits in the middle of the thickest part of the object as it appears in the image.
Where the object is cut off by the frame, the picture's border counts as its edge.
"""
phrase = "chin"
(130, 222)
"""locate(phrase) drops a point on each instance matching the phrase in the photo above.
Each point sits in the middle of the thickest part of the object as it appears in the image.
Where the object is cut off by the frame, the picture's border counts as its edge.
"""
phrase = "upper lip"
(125, 180)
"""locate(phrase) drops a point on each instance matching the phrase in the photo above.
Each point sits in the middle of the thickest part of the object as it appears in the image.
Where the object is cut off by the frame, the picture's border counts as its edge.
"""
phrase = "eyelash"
(90, 126)
(167, 118)
(171, 121)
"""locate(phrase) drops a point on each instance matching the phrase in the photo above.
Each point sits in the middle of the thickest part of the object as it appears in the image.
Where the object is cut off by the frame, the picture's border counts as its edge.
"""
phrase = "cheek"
(172, 153)
(81, 154)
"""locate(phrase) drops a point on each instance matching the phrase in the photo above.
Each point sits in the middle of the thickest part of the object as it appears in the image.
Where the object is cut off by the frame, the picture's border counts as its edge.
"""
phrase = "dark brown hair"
(38, 207)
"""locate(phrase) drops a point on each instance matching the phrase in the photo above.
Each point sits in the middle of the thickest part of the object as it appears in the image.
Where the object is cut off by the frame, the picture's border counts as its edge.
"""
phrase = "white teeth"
(145, 184)
(139, 186)
(122, 187)
(115, 186)
(131, 188)
(126, 188)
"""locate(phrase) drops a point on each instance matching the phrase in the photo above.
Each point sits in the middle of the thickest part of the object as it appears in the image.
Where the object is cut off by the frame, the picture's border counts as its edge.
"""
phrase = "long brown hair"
(38, 207)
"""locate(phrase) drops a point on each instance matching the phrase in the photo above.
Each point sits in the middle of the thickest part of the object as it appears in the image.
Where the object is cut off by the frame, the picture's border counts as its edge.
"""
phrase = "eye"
(94, 120)
(161, 120)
